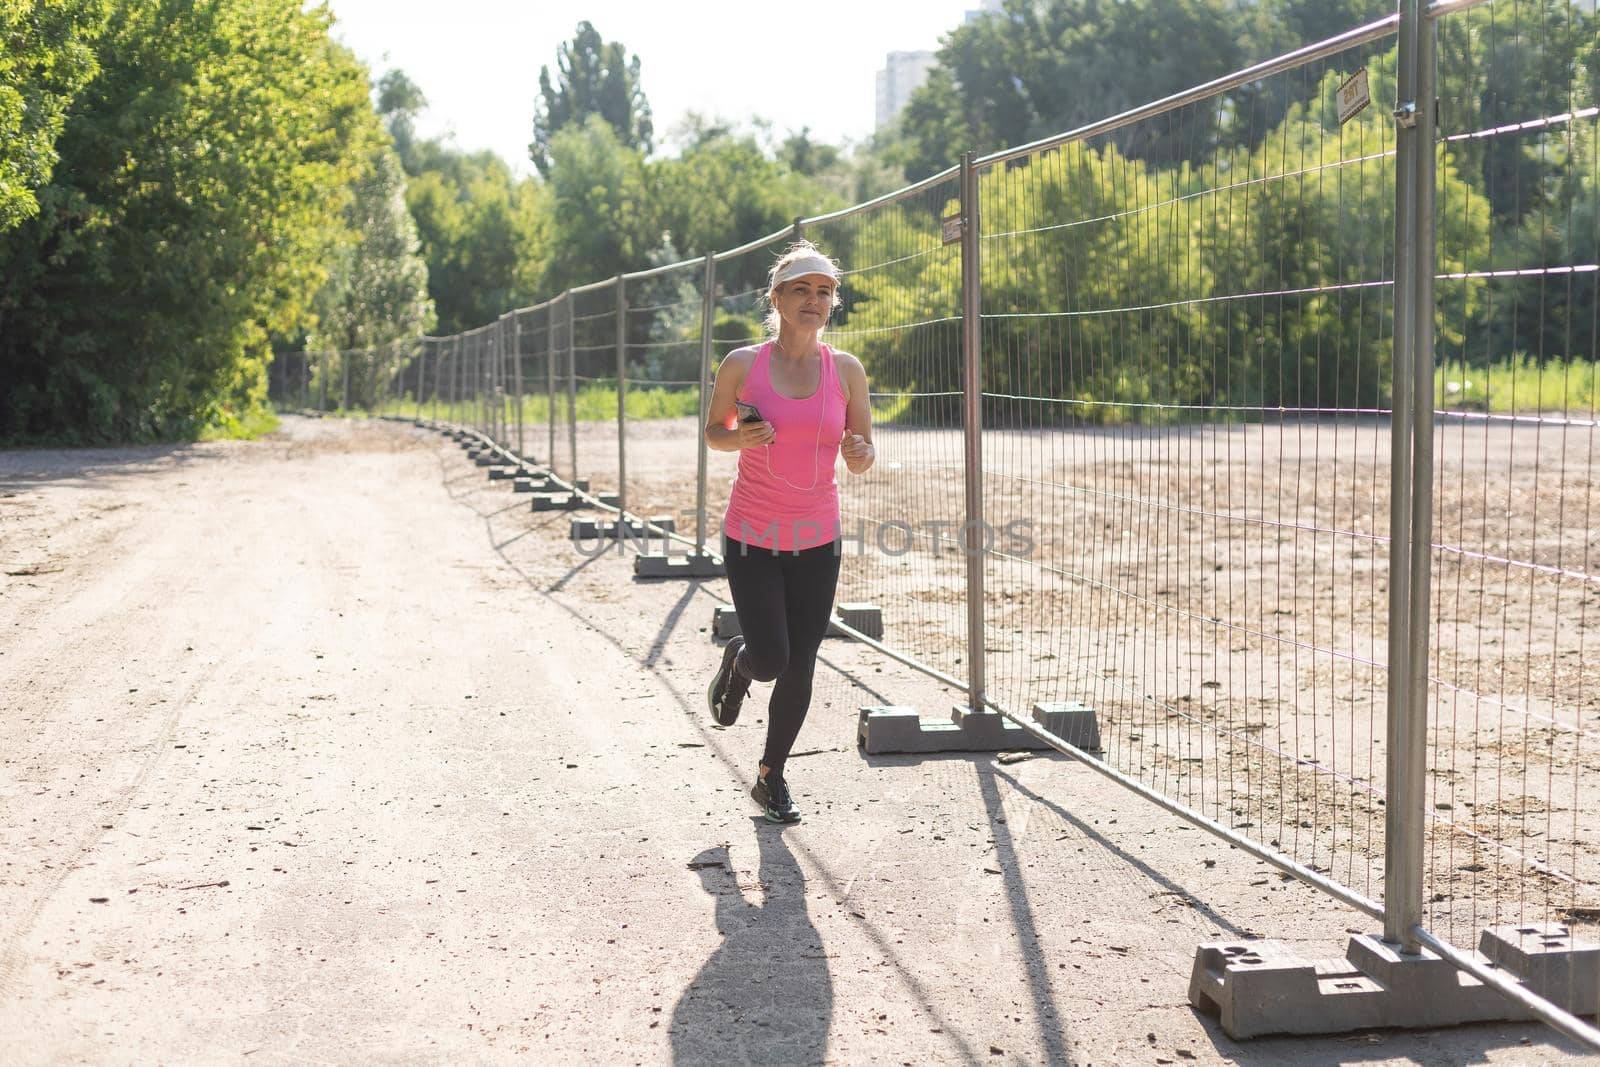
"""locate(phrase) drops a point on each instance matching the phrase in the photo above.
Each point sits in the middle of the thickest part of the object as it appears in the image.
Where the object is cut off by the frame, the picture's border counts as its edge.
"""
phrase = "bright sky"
(795, 64)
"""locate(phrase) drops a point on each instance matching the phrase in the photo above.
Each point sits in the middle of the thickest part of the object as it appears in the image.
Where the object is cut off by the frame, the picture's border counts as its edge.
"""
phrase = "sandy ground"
(325, 749)
(1218, 593)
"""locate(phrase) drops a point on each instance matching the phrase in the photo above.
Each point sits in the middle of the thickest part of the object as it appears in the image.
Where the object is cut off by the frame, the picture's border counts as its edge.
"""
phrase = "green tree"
(400, 101)
(1300, 315)
(201, 182)
(724, 190)
(478, 227)
(1500, 67)
(46, 57)
(602, 218)
(377, 287)
(594, 77)
(1545, 185)
(1037, 69)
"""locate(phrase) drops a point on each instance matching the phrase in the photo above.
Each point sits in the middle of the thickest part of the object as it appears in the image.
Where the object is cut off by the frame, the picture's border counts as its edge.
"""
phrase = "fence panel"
(530, 356)
(902, 317)
(1187, 327)
(662, 428)
(1513, 838)
(594, 362)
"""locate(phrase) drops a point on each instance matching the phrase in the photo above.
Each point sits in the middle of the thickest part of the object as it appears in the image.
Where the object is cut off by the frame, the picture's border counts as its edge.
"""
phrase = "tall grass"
(1519, 385)
(240, 426)
(593, 403)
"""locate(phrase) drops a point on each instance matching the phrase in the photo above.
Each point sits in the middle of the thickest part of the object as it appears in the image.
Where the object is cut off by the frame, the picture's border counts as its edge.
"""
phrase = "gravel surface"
(325, 749)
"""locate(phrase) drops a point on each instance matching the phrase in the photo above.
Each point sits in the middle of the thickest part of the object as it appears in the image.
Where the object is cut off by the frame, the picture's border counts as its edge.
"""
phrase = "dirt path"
(325, 749)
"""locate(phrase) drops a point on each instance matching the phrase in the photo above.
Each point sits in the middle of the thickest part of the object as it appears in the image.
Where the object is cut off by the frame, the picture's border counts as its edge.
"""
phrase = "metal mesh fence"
(1186, 455)
(562, 389)
(662, 331)
(289, 381)
(594, 382)
(1512, 793)
(530, 347)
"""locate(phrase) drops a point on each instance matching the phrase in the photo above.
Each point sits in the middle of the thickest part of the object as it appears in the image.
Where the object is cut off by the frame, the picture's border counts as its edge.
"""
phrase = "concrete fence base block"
(492, 459)
(1549, 960)
(591, 530)
(724, 624)
(1261, 987)
(867, 618)
(900, 729)
(533, 484)
(558, 502)
(502, 473)
(692, 565)
(1074, 723)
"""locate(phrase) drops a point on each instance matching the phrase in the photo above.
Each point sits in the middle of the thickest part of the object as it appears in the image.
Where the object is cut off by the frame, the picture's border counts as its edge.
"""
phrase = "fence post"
(708, 318)
(972, 388)
(572, 386)
(516, 376)
(501, 423)
(550, 380)
(1410, 506)
(622, 397)
(422, 374)
(496, 407)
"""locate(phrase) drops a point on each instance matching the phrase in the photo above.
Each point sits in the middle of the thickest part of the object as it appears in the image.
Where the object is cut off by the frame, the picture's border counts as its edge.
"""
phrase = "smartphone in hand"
(747, 412)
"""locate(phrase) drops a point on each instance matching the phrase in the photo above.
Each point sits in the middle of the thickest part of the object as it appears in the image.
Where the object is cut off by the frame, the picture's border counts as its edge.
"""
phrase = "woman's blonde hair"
(801, 249)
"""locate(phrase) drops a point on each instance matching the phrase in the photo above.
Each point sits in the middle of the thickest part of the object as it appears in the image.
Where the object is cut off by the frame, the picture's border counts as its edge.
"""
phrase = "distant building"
(902, 74)
(987, 7)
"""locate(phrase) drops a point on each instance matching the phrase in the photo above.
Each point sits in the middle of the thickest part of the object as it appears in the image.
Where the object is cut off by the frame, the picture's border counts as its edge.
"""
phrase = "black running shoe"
(728, 687)
(772, 793)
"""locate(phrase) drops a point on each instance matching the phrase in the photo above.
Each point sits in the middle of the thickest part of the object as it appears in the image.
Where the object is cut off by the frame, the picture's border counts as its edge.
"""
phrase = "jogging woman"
(790, 407)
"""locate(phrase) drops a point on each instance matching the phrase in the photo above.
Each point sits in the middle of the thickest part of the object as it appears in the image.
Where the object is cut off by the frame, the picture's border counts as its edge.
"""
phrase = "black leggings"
(784, 601)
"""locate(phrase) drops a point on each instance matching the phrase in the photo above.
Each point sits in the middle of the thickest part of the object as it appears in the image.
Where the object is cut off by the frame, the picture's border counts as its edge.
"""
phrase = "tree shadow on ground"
(27, 468)
(765, 995)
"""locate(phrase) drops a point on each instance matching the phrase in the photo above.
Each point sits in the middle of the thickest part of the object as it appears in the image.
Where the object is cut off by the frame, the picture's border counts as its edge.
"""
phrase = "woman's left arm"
(856, 446)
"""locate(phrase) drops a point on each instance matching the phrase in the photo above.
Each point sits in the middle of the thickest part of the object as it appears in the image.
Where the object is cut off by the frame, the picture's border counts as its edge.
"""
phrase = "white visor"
(808, 264)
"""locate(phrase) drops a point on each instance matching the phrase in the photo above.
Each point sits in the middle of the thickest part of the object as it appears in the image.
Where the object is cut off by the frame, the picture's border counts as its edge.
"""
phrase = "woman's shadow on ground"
(765, 995)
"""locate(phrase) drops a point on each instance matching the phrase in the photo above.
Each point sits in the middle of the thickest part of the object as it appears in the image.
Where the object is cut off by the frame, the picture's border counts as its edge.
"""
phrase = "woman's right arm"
(724, 432)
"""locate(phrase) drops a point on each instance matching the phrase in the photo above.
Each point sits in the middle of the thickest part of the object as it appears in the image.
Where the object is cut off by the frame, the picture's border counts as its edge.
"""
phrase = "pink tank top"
(784, 496)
